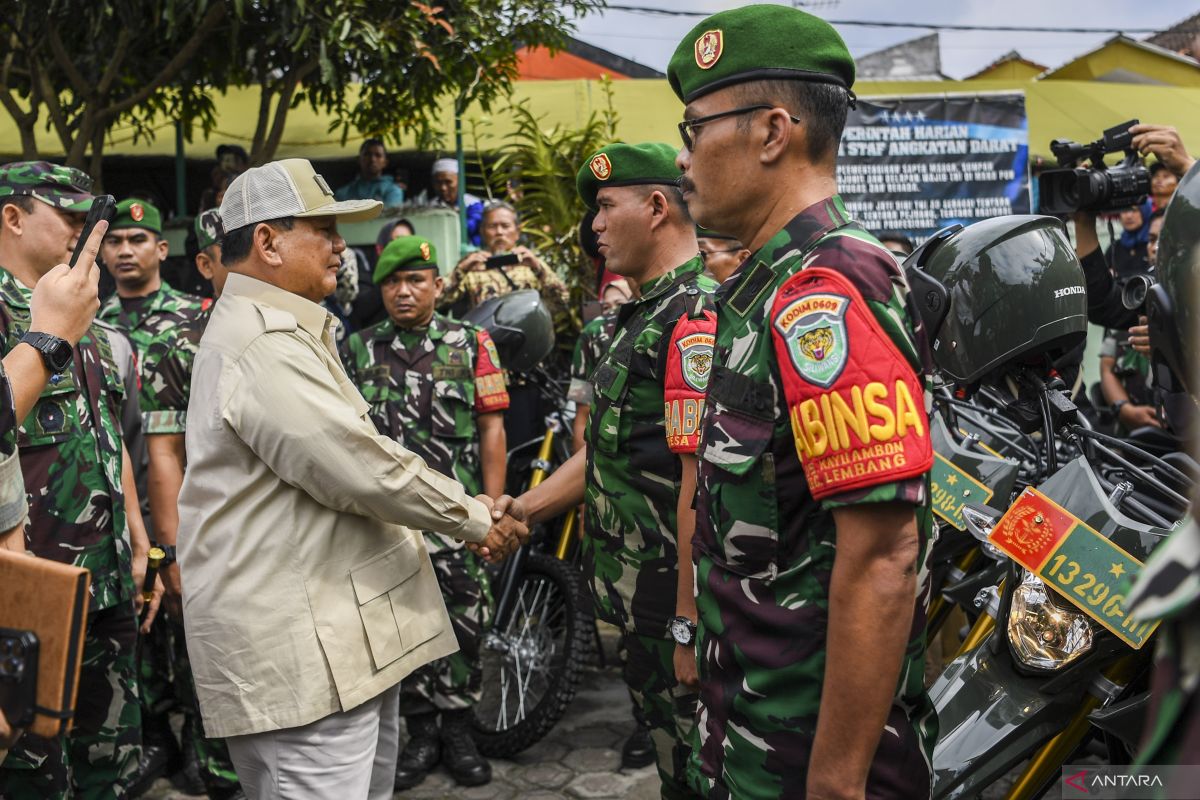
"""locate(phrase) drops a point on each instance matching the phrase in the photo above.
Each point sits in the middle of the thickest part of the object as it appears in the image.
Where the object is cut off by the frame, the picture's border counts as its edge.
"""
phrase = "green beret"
(66, 188)
(705, 233)
(755, 43)
(137, 213)
(405, 253)
(208, 228)
(626, 165)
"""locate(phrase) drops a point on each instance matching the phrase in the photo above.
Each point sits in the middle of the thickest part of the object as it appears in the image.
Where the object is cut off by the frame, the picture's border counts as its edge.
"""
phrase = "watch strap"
(45, 344)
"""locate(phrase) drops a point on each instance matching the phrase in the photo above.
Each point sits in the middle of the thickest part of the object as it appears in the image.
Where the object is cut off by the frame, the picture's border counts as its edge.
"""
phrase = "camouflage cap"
(208, 228)
(65, 188)
(621, 164)
(405, 253)
(135, 212)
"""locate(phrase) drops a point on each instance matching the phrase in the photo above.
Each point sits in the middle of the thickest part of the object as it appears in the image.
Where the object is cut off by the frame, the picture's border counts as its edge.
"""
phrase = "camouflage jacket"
(167, 369)
(13, 506)
(157, 318)
(818, 400)
(70, 446)
(590, 347)
(426, 386)
(644, 413)
(1168, 589)
(1131, 367)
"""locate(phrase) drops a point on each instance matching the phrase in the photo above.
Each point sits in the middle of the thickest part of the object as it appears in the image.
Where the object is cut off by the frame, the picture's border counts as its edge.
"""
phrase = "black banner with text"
(916, 165)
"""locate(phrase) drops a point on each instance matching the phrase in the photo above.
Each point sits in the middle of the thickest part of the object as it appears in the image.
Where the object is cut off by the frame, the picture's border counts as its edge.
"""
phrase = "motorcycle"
(1053, 663)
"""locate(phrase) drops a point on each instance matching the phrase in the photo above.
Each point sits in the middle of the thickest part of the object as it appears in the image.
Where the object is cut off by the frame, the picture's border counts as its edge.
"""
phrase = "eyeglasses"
(687, 128)
(704, 254)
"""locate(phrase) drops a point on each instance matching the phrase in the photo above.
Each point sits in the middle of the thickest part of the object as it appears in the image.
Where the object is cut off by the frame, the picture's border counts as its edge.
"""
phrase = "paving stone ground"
(579, 760)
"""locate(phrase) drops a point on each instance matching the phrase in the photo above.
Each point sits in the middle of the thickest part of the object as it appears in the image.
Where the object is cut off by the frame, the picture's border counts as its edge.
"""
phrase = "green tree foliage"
(381, 67)
(82, 67)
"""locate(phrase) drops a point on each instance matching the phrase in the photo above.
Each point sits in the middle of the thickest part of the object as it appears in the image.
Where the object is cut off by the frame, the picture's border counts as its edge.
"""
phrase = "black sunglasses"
(687, 128)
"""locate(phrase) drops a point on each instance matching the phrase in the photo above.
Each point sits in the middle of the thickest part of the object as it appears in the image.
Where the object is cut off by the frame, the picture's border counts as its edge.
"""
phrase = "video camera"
(1097, 187)
(1136, 288)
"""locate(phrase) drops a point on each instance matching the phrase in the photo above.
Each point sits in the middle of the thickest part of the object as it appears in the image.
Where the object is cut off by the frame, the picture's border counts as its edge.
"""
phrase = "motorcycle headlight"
(1044, 632)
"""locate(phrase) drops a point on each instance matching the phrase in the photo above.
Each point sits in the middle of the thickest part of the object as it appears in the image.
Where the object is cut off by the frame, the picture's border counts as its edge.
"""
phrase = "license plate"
(952, 488)
(1074, 559)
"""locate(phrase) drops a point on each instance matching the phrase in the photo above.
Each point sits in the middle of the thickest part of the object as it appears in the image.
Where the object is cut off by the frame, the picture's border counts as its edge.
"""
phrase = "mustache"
(685, 183)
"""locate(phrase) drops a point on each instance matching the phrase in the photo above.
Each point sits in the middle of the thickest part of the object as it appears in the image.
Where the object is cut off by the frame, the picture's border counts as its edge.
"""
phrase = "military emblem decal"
(137, 212)
(601, 167)
(814, 327)
(696, 355)
(425, 250)
(709, 47)
(492, 353)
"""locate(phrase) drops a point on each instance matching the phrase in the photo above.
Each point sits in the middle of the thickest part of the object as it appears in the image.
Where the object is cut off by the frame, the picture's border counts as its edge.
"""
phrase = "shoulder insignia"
(814, 328)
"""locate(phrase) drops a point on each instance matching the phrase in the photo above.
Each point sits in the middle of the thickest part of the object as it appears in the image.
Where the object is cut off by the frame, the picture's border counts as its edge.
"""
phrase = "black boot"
(160, 756)
(638, 750)
(189, 780)
(421, 753)
(459, 753)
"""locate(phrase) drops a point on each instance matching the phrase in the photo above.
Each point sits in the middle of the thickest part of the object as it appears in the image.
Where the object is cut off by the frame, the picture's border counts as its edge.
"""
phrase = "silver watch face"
(680, 631)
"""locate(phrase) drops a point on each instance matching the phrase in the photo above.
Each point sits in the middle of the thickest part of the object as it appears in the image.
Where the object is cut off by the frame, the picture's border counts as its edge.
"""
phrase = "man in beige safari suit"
(307, 601)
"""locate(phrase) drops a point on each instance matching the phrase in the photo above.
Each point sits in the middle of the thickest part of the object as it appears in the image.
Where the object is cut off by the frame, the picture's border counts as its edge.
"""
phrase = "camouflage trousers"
(102, 750)
(454, 682)
(648, 667)
(761, 670)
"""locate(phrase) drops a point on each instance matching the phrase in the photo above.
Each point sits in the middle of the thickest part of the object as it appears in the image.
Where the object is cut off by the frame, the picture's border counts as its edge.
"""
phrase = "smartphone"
(104, 207)
(18, 675)
(504, 260)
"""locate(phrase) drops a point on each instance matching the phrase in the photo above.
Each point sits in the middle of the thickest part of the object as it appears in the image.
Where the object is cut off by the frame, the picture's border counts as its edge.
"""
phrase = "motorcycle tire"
(531, 670)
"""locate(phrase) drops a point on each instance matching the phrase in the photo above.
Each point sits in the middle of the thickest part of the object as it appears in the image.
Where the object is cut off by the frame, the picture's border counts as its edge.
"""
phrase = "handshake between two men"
(508, 532)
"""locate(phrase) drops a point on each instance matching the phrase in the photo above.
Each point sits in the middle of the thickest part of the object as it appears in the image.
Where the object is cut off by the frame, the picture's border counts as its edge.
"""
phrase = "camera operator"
(1103, 289)
(1125, 370)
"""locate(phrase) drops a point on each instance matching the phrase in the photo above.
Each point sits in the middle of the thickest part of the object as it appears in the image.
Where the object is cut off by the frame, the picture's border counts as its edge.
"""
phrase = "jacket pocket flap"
(386, 571)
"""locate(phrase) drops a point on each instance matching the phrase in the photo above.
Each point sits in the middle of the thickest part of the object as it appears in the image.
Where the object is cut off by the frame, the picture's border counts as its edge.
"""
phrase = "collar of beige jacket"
(309, 316)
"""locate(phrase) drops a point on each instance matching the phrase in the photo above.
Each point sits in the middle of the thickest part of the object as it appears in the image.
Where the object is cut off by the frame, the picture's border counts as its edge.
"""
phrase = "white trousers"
(350, 755)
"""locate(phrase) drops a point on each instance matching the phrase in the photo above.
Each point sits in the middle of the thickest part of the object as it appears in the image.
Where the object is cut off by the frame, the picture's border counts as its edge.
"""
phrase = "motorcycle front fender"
(990, 718)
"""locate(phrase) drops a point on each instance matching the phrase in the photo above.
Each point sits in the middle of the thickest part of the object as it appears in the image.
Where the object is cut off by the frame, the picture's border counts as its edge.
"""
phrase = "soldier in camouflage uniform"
(590, 348)
(167, 371)
(435, 386)
(812, 518)
(145, 309)
(636, 474)
(82, 505)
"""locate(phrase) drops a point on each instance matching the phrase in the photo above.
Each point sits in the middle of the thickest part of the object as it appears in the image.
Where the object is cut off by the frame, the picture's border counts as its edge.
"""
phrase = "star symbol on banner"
(953, 479)
(920, 116)
(908, 116)
(1117, 570)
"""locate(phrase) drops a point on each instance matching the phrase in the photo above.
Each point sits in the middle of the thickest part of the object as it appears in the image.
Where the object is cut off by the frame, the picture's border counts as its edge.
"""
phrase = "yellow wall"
(1121, 54)
(649, 111)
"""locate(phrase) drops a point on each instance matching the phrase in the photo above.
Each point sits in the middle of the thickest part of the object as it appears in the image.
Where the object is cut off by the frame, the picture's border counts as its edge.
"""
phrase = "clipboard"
(49, 600)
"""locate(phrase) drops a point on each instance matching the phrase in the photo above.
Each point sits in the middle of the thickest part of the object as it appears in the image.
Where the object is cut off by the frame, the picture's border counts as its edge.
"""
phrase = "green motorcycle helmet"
(1171, 304)
(520, 326)
(998, 293)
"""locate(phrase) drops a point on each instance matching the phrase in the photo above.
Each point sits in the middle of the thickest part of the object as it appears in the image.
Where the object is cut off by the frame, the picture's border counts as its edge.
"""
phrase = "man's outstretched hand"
(508, 530)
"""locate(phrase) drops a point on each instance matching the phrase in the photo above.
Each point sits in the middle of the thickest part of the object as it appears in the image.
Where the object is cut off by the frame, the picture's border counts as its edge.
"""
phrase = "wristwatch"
(682, 630)
(168, 553)
(1116, 407)
(56, 352)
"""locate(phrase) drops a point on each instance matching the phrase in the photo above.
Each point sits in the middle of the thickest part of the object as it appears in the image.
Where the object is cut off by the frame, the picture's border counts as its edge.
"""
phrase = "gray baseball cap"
(287, 188)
